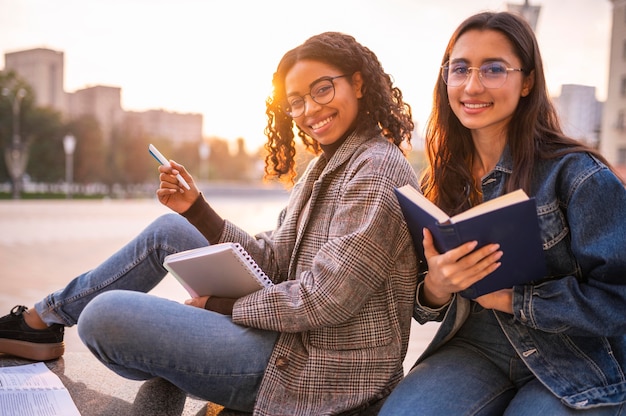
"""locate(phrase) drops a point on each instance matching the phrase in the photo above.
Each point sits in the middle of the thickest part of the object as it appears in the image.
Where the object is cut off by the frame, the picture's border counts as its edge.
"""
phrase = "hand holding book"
(455, 270)
(510, 221)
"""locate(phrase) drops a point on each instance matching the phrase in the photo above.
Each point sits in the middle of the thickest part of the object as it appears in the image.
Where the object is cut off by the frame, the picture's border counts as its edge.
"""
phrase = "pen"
(162, 160)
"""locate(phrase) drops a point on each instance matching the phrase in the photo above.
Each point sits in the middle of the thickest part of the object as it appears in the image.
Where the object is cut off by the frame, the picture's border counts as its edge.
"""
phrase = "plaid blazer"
(346, 271)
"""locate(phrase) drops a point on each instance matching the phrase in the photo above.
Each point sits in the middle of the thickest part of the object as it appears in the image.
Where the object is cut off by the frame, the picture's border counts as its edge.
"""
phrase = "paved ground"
(44, 244)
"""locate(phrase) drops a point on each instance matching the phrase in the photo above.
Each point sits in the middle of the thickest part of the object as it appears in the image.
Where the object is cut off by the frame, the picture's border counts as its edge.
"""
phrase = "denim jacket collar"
(493, 182)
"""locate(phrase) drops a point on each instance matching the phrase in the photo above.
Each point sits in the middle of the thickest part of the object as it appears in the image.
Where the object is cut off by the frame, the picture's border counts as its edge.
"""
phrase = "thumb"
(197, 302)
(429, 244)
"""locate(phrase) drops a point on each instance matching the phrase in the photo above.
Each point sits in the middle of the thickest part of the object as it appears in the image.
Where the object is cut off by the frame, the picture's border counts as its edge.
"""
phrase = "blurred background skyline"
(217, 58)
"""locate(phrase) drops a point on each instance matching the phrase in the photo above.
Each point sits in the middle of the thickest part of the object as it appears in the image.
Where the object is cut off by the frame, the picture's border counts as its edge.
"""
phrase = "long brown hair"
(534, 130)
(381, 109)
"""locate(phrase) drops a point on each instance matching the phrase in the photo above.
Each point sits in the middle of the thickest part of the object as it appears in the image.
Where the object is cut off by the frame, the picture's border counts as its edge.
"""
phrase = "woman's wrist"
(430, 299)
(220, 305)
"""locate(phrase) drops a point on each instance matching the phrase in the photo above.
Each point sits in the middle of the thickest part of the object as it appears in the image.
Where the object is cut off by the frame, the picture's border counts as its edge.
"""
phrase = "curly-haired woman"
(330, 336)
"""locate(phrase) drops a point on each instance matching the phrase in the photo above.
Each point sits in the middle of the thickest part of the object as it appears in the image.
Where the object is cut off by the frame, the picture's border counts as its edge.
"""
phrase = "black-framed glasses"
(491, 74)
(322, 92)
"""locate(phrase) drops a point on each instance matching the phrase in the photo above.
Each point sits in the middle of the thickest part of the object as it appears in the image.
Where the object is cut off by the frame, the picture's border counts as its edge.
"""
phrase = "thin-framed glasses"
(322, 92)
(491, 74)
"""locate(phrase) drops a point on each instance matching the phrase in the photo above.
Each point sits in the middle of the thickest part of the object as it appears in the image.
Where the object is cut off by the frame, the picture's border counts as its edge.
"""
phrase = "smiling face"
(486, 110)
(329, 122)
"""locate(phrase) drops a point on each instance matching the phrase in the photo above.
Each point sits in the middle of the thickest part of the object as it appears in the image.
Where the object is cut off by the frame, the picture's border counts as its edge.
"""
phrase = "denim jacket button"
(522, 316)
(282, 363)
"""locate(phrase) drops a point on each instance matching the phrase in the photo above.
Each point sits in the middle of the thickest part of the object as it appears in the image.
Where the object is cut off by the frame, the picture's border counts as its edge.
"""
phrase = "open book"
(34, 390)
(509, 220)
(224, 270)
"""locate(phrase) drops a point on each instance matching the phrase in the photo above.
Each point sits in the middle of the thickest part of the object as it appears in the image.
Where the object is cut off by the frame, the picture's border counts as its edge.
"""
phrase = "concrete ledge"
(97, 391)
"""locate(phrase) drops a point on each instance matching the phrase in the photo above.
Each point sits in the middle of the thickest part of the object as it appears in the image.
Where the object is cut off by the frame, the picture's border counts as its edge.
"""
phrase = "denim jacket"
(569, 327)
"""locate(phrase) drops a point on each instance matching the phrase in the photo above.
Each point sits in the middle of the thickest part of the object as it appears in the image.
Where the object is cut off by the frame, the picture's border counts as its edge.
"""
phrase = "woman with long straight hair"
(555, 346)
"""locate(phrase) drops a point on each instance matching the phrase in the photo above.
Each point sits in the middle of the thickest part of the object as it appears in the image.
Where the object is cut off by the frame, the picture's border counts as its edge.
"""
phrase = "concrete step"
(97, 391)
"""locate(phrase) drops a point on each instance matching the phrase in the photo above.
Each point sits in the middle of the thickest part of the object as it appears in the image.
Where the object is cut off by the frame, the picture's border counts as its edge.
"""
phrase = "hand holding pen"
(163, 161)
(174, 191)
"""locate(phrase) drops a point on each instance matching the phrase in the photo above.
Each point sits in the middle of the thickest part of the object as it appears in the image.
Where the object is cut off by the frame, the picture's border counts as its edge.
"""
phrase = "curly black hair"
(381, 109)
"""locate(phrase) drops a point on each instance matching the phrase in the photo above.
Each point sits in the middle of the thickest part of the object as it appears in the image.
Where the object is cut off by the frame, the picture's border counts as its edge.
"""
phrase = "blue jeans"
(140, 336)
(478, 373)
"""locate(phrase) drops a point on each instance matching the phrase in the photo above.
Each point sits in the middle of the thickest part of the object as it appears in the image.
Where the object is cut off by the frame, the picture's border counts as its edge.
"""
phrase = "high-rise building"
(43, 69)
(613, 134)
(580, 113)
(527, 11)
(178, 127)
(101, 102)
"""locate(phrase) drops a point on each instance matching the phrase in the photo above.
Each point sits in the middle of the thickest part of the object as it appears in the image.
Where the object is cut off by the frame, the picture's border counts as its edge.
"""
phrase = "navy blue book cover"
(515, 227)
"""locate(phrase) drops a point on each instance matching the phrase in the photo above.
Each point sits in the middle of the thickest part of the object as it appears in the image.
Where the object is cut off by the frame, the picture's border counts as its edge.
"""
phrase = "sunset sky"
(217, 57)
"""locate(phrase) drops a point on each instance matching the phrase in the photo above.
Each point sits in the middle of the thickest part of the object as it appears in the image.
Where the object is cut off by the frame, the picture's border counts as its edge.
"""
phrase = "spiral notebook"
(223, 270)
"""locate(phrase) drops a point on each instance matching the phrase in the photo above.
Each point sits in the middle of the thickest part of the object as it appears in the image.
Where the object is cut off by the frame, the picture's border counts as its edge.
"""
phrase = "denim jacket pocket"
(555, 237)
(592, 374)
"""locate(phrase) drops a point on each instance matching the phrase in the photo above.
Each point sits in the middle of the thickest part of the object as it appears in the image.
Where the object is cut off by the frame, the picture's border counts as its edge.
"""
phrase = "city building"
(528, 11)
(101, 102)
(613, 133)
(43, 69)
(580, 113)
(178, 127)
(600, 125)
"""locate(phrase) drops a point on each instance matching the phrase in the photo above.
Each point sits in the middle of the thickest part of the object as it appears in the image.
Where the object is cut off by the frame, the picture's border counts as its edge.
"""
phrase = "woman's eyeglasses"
(322, 92)
(491, 74)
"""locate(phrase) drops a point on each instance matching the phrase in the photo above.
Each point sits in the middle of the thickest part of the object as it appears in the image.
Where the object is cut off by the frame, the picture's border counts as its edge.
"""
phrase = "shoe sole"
(32, 350)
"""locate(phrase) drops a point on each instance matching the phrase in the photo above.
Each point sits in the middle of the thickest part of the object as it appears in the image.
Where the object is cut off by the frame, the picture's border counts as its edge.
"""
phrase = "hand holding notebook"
(222, 270)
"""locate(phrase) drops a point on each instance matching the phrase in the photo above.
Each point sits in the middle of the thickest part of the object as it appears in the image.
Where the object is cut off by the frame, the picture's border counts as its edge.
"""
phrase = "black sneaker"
(20, 340)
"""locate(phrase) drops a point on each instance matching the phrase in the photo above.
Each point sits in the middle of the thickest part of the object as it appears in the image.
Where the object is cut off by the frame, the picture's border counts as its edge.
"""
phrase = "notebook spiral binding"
(259, 273)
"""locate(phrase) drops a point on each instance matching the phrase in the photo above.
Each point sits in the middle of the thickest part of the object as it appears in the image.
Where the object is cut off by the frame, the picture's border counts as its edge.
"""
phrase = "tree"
(90, 155)
(129, 155)
(17, 100)
(46, 162)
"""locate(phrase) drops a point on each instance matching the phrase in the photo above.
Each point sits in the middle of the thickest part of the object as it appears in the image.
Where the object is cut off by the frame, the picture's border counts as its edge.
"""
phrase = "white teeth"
(476, 105)
(321, 123)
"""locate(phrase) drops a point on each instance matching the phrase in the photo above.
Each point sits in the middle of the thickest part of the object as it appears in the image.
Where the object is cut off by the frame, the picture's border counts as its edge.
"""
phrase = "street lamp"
(16, 154)
(69, 145)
